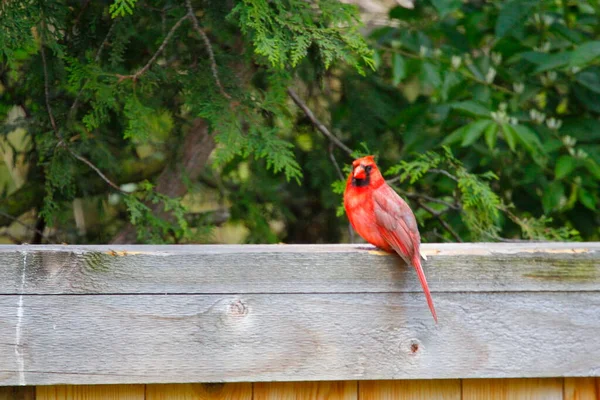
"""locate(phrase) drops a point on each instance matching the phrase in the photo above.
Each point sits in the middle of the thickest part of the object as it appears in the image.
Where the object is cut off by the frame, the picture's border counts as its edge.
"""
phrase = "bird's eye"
(368, 168)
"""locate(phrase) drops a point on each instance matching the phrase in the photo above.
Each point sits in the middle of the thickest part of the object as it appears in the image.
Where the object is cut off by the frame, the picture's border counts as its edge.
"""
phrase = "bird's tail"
(417, 265)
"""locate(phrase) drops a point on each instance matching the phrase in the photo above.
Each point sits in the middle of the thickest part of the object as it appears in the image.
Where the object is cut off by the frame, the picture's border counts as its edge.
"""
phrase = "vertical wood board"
(91, 392)
(582, 389)
(17, 393)
(200, 391)
(446, 389)
(340, 390)
(513, 389)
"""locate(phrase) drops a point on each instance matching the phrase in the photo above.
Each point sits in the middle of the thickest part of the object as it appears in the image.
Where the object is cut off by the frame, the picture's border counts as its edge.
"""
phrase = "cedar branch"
(318, 124)
(96, 59)
(160, 49)
(207, 43)
(31, 194)
(61, 141)
(438, 216)
(47, 93)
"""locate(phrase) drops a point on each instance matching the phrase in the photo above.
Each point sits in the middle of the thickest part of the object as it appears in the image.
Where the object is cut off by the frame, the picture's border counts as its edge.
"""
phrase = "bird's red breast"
(382, 217)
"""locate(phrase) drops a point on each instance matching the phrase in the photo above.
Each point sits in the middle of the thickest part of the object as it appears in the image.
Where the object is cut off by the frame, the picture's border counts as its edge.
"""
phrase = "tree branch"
(191, 158)
(96, 169)
(26, 226)
(160, 49)
(96, 59)
(318, 124)
(444, 172)
(47, 92)
(211, 54)
(61, 141)
(412, 195)
(438, 216)
(31, 194)
(334, 162)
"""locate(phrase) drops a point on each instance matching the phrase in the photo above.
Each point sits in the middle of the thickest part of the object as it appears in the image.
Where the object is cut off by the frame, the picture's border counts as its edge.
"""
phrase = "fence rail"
(176, 314)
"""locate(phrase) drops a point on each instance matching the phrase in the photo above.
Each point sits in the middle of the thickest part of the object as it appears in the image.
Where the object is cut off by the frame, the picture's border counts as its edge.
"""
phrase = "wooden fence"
(299, 322)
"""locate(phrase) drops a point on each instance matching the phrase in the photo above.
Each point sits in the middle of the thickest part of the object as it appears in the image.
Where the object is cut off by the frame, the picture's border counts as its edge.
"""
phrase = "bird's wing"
(396, 222)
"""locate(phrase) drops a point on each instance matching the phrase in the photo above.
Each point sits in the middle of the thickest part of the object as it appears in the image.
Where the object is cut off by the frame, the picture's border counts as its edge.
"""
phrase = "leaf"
(552, 196)
(405, 14)
(430, 75)
(587, 98)
(471, 108)
(586, 130)
(528, 138)
(590, 80)
(564, 166)
(120, 8)
(569, 34)
(593, 167)
(585, 53)
(545, 61)
(475, 131)
(509, 136)
(467, 133)
(491, 134)
(451, 80)
(398, 69)
(445, 7)
(511, 14)
(587, 199)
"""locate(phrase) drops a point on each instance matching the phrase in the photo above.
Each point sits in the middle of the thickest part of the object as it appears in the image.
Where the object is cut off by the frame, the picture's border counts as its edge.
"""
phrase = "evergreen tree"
(155, 121)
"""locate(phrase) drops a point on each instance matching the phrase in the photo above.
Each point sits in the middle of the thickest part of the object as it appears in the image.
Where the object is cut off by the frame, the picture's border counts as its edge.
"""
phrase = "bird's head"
(365, 173)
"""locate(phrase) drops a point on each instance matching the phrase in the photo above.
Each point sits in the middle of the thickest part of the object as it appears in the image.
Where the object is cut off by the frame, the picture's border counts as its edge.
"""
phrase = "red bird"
(383, 218)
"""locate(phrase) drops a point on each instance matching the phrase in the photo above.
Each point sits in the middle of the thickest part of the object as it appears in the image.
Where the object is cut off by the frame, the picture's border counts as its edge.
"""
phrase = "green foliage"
(138, 116)
(121, 8)
(18, 19)
(122, 89)
(284, 31)
(153, 228)
(479, 204)
(511, 87)
(484, 114)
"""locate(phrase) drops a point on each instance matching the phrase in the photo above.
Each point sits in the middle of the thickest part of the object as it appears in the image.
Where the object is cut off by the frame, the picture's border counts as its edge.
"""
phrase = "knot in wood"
(414, 346)
(213, 388)
(238, 309)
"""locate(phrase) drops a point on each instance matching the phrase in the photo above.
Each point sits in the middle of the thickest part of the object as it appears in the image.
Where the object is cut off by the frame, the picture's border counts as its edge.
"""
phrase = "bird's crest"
(366, 160)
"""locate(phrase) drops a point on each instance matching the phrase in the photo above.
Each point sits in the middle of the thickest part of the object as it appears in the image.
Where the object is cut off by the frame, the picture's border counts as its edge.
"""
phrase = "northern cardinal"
(383, 218)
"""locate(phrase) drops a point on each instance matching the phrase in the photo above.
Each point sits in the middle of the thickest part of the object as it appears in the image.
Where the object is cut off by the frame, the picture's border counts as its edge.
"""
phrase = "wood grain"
(91, 392)
(445, 389)
(295, 269)
(582, 389)
(339, 390)
(200, 391)
(279, 337)
(513, 389)
(17, 393)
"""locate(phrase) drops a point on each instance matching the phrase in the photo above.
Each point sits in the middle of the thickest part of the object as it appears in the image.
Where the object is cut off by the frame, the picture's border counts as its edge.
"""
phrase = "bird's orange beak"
(359, 173)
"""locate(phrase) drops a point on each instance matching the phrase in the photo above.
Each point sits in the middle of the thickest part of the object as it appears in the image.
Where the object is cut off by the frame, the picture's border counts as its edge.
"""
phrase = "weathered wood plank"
(91, 392)
(582, 389)
(200, 391)
(276, 337)
(337, 390)
(295, 269)
(513, 389)
(443, 389)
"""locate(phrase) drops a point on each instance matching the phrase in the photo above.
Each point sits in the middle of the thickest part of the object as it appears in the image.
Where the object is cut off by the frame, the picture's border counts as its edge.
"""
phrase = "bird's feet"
(370, 248)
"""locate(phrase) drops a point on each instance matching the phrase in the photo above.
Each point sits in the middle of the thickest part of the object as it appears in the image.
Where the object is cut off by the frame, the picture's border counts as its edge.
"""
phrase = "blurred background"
(133, 121)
